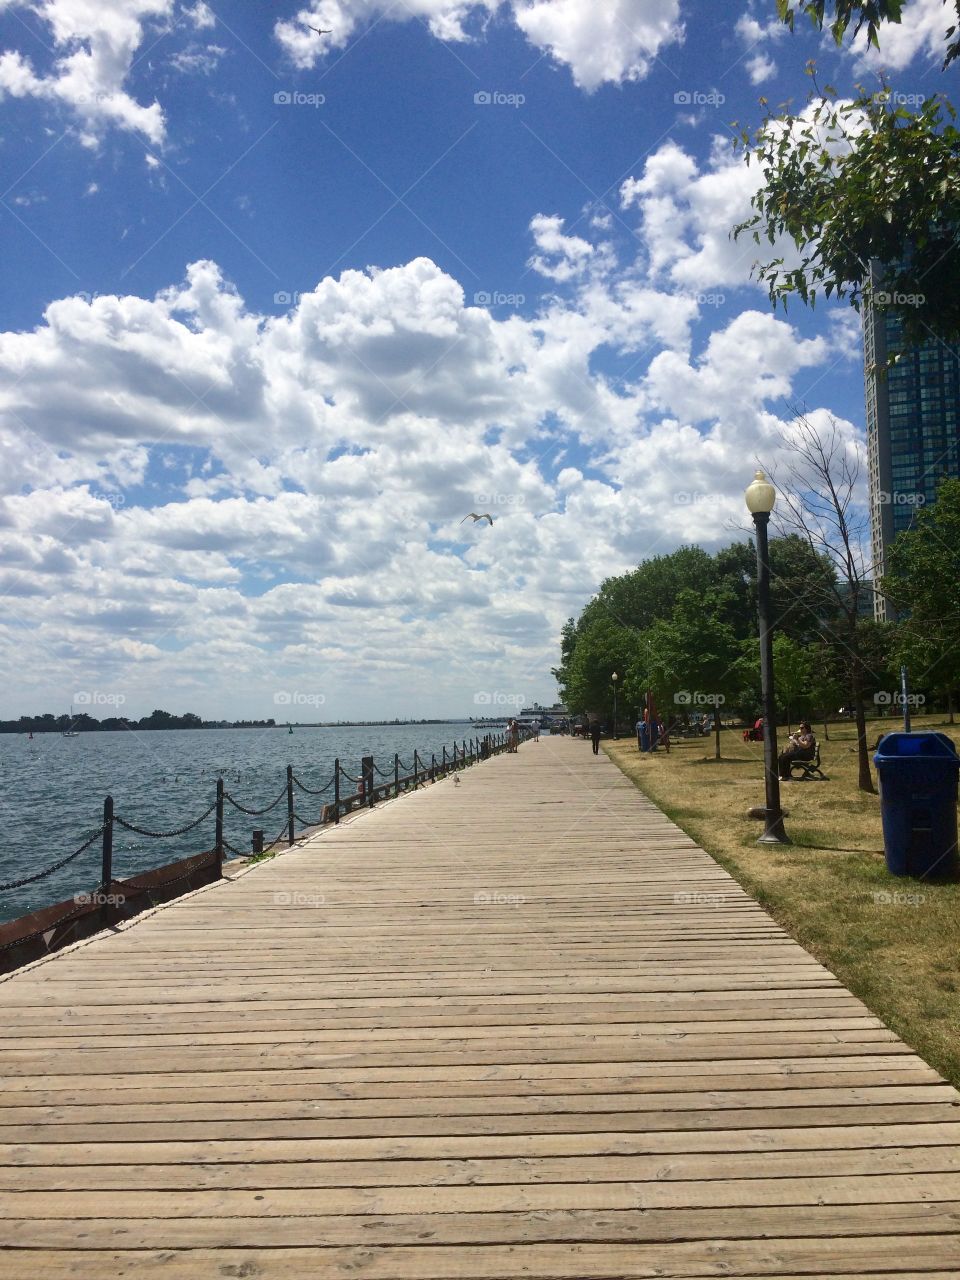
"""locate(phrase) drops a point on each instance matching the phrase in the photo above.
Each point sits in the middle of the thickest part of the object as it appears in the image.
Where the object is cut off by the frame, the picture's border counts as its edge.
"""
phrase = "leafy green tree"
(157, 719)
(630, 601)
(603, 646)
(828, 689)
(878, 646)
(869, 14)
(802, 587)
(694, 655)
(695, 598)
(869, 194)
(808, 678)
(922, 580)
(635, 599)
(794, 665)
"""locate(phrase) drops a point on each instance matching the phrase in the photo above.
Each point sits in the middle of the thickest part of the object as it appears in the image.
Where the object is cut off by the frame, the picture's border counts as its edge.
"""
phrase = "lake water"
(52, 791)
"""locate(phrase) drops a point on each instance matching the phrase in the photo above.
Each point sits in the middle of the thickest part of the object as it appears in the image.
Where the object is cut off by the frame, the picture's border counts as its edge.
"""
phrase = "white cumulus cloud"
(198, 496)
(921, 32)
(563, 257)
(95, 45)
(609, 43)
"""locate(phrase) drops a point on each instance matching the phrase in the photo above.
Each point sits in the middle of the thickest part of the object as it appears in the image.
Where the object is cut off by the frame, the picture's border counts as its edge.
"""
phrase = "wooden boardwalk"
(516, 1027)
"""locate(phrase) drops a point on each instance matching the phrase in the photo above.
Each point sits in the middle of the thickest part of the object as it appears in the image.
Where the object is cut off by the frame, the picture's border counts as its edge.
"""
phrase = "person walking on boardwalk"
(595, 736)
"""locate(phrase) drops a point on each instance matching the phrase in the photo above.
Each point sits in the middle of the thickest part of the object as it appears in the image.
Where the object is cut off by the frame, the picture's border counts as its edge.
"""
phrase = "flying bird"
(321, 32)
(472, 515)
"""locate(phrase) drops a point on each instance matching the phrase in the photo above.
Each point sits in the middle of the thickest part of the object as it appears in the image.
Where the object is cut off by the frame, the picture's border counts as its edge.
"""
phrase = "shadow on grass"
(800, 843)
(725, 760)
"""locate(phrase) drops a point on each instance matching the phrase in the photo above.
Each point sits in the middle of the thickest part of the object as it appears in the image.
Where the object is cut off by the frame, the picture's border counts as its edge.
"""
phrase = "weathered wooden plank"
(722, 1193)
(387, 1147)
(105, 1127)
(344, 1075)
(402, 1036)
(935, 1257)
(168, 1110)
(305, 1089)
(639, 1224)
(526, 1170)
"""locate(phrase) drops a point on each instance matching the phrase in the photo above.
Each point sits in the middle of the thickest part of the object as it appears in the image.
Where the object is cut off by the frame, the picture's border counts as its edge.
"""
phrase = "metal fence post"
(289, 804)
(366, 773)
(336, 790)
(219, 829)
(106, 861)
(396, 774)
(416, 769)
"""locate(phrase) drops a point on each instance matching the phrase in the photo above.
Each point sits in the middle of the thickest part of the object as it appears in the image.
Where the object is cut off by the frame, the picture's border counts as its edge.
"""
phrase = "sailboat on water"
(70, 731)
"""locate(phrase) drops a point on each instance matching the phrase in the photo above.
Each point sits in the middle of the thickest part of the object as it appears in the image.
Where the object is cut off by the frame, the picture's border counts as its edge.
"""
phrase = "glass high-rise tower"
(913, 437)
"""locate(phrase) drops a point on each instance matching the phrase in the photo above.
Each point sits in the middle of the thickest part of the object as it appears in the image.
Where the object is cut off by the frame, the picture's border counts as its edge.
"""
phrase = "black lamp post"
(614, 678)
(760, 497)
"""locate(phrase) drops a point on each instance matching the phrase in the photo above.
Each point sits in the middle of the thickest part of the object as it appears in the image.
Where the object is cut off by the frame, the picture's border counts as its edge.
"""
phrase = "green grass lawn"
(894, 941)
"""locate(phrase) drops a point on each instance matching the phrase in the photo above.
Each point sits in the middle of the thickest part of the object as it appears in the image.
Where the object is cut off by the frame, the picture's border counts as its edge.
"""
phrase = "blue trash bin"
(918, 803)
(644, 730)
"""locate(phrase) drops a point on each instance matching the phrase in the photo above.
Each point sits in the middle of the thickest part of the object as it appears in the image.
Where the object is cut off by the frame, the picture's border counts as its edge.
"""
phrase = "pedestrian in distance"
(595, 736)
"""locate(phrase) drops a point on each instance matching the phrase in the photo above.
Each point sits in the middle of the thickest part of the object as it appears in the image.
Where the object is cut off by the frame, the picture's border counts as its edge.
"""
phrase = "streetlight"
(760, 497)
(614, 678)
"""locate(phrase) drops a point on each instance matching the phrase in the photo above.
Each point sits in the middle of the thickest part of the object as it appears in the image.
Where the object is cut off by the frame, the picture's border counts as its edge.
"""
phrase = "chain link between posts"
(163, 835)
(254, 813)
(48, 871)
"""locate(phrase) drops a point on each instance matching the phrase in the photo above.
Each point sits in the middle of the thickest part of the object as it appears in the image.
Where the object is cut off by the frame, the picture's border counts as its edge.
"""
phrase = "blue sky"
(279, 309)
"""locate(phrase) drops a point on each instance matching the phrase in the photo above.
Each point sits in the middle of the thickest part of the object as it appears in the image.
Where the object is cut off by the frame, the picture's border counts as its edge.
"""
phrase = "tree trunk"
(716, 730)
(789, 725)
(950, 706)
(865, 777)
(826, 731)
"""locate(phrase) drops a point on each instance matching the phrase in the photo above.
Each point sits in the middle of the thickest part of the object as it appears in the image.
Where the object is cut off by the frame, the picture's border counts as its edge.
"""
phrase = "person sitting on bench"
(802, 746)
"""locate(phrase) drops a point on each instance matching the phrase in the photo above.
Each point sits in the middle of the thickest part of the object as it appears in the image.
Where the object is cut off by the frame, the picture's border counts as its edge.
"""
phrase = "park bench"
(808, 770)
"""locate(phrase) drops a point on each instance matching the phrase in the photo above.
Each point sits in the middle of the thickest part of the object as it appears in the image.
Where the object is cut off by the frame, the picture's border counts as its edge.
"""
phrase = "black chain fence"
(56, 866)
(254, 813)
(164, 835)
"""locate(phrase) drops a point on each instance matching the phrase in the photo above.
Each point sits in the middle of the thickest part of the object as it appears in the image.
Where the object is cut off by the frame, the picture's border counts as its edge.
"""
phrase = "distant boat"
(70, 731)
(289, 728)
(30, 735)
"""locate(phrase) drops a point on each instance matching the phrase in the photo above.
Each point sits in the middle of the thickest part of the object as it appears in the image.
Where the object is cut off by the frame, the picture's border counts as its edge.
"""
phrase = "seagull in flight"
(472, 515)
(320, 31)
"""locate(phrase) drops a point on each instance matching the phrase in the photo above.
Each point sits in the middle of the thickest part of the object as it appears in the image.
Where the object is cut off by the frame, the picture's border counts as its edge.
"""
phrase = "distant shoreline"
(133, 727)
